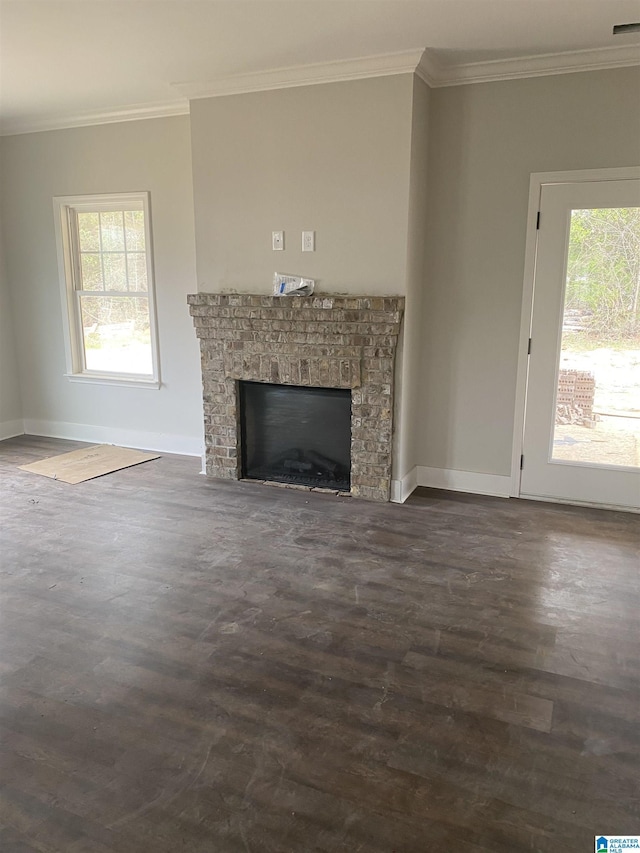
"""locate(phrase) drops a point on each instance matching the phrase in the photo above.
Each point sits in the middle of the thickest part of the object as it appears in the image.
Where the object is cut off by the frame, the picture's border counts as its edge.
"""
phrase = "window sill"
(106, 379)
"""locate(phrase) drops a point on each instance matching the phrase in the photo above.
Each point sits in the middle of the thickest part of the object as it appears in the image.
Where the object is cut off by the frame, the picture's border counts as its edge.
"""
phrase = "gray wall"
(331, 158)
(149, 155)
(348, 160)
(10, 402)
(484, 141)
(334, 158)
(411, 341)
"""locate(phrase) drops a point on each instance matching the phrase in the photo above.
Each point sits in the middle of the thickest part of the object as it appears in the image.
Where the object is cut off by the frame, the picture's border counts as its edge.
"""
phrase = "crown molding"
(436, 74)
(424, 63)
(429, 68)
(87, 119)
(383, 65)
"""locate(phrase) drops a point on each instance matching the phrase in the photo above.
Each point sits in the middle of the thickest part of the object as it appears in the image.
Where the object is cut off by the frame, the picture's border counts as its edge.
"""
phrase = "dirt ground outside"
(603, 445)
(615, 439)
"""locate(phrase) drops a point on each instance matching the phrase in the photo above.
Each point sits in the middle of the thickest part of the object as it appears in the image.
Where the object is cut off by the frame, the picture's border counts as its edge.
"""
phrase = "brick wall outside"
(314, 341)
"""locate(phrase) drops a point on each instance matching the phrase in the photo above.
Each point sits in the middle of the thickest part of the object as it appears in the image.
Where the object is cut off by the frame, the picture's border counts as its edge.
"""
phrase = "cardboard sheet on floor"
(87, 463)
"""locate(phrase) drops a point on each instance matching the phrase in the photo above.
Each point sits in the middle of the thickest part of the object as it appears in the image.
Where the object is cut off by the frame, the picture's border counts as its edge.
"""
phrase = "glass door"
(582, 421)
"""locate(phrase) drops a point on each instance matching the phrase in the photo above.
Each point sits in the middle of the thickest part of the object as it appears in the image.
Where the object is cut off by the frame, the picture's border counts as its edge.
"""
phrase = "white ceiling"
(78, 61)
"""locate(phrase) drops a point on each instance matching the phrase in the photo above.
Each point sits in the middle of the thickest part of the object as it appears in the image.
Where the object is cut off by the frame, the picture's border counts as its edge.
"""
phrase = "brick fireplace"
(317, 341)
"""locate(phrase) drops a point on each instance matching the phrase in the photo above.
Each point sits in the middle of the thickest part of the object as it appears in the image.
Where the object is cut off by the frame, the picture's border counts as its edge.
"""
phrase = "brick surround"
(317, 341)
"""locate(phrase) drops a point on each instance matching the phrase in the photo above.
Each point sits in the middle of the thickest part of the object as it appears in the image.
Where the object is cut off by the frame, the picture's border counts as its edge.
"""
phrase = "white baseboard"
(9, 429)
(161, 442)
(401, 489)
(454, 481)
(464, 481)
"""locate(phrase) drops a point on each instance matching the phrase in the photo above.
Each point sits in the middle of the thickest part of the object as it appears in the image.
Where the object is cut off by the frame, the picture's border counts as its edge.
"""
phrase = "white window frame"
(65, 209)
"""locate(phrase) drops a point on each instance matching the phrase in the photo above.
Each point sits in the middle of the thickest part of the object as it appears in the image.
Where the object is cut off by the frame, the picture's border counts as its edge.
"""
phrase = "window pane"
(137, 267)
(91, 272)
(134, 223)
(116, 333)
(89, 232)
(115, 271)
(112, 228)
(598, 402)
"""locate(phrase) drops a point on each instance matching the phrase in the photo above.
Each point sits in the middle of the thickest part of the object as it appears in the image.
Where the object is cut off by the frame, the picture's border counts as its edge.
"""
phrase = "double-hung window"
(106, 272)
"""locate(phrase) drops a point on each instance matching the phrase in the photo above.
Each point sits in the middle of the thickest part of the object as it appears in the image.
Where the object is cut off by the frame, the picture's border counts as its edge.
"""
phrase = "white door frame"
(538, 179)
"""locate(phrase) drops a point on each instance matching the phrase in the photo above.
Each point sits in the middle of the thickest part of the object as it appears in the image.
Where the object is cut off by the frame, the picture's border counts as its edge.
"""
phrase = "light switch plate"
(277, 240)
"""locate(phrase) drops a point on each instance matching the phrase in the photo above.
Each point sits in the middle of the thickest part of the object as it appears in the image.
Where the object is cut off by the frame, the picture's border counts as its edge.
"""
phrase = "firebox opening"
(296, 435)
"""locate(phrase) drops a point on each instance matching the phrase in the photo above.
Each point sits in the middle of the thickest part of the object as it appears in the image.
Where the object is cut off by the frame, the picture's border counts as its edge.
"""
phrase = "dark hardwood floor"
(194, 666)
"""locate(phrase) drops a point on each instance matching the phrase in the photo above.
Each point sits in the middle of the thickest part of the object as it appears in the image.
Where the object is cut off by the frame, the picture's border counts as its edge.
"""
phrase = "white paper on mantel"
(292, 285)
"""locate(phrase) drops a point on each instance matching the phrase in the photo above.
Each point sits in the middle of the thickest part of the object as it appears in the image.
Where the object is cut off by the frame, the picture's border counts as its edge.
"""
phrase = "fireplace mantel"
(316, 341)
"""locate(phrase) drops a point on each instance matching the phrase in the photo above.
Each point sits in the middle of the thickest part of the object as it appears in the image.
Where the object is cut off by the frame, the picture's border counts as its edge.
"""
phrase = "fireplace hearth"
(317, 342)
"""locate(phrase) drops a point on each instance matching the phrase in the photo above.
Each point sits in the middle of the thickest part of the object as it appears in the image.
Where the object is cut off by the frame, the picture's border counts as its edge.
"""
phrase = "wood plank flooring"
(195, 666)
